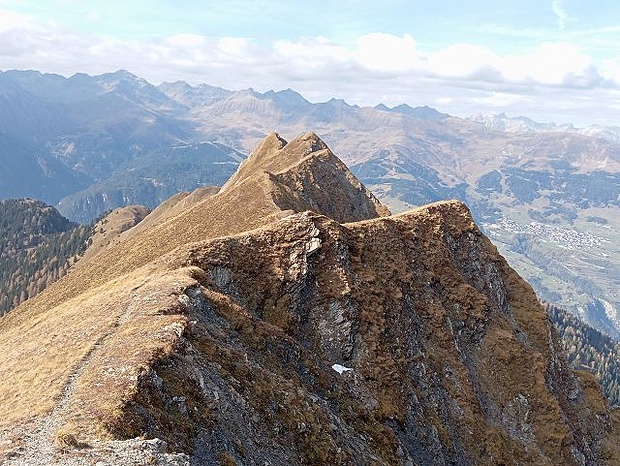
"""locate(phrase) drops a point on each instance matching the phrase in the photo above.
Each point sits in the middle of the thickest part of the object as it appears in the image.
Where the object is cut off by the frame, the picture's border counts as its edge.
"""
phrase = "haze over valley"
(547, 195)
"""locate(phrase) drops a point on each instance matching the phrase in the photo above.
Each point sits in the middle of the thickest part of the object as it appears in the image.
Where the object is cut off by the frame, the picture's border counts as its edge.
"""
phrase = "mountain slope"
(252, 199)
(239, 330)
(98, 142)
(37, 246)
(152, 178)
(110, 227)
(589, 349)
(564, 180)
(29, 173)
(502, 122)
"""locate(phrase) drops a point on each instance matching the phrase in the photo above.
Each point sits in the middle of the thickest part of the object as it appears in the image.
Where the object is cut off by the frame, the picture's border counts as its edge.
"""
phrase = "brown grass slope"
(171, 208)
(109, 228)
(253, 198)
(77, 314)
(217, 328)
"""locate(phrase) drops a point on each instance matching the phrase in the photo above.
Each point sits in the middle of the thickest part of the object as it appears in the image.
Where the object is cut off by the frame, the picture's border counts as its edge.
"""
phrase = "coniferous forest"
(37, 246)
(590, 350)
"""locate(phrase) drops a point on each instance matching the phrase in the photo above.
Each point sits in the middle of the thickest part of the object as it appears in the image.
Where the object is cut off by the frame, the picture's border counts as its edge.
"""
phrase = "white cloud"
(380, 55)
(462, 78)
(444, 101)
(386, 52)
(372, 56)
(311, 53)
(610, 69)
(235, 47)
(550, 63)
(501, 100)
(185, 40)
(461, 60)
(10, 20)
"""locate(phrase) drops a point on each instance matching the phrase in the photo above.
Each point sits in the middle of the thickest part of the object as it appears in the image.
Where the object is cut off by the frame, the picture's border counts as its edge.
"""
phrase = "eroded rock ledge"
(452, 358)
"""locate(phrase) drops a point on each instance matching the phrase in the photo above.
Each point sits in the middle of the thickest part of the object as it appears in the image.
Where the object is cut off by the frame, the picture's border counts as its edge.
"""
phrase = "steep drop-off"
(248, 329)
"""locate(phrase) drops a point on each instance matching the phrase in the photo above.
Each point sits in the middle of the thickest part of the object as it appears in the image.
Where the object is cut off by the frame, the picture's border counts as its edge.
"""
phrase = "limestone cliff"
(298, 339)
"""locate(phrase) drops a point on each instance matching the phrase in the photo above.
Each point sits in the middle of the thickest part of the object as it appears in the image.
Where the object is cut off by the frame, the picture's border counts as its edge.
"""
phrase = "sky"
(551, 60)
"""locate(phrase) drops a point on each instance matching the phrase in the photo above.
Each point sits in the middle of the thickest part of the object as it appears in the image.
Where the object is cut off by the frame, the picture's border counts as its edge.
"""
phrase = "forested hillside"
(37, 246)
(588, 349)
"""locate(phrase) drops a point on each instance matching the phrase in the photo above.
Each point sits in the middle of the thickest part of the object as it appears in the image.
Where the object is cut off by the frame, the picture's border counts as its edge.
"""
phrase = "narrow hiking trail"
(40, 445)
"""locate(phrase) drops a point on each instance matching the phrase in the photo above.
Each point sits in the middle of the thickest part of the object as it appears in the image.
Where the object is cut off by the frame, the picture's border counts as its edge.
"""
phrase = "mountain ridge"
(135, 144)
(522, 124)
(219, 339)
(255, 198)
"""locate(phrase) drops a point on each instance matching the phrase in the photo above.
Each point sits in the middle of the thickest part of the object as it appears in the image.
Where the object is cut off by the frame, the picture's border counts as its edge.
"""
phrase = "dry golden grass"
(111, 334)
(109, 228)
(45, 340)
(412, 279)
(40, 351)
(170, 208)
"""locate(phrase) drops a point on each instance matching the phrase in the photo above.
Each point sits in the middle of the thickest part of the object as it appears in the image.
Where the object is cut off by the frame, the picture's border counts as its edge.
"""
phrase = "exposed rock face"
(390, 340)
(305, 175)
(453, 361)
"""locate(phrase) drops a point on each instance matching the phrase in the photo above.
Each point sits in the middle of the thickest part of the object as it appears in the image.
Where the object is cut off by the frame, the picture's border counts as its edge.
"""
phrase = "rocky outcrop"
(305, 175)
(452, 360)
(391, 340)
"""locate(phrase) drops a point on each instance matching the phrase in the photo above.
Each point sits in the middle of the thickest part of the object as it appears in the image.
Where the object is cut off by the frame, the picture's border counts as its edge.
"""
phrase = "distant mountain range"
(114, 138)
(548, 196)
(501, 122)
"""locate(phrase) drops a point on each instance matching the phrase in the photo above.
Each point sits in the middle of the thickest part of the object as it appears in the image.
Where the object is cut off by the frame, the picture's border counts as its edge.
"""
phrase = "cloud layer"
(463, 78)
